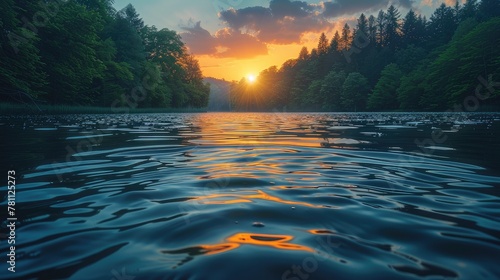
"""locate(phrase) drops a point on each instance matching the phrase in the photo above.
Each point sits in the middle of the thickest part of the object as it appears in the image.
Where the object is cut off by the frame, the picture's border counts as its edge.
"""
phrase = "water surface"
(255, 196)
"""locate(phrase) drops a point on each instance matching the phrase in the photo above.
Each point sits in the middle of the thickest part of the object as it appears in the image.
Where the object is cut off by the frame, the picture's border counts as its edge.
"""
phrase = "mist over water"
(255, 196)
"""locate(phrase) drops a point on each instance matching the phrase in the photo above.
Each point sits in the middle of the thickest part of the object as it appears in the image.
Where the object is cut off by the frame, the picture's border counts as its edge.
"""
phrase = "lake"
(254, 196)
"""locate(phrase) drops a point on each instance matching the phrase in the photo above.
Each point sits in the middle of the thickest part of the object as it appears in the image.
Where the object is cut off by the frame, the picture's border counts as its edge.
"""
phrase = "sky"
(233, 39)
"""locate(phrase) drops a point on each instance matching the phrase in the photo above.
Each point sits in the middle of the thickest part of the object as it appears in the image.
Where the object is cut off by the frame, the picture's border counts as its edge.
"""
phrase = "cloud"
(249, 30)
(283, 22)
(282, 8)
(199, 40)
(339, 8)
(225, 43)
(236, 44)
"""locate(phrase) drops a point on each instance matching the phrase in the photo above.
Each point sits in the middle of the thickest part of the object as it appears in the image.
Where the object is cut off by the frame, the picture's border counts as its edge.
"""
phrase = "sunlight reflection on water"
(175, 196)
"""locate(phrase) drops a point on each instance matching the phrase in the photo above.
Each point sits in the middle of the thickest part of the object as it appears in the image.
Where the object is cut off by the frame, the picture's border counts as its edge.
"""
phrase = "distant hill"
(219, 95)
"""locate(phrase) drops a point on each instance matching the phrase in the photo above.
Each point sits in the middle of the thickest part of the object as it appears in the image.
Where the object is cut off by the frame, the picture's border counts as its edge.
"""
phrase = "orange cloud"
(257, 37)
(225, 43)
(284, 22)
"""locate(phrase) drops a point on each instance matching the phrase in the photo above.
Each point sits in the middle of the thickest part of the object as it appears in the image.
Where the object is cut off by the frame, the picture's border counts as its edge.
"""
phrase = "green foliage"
(354, 92)
(21, 68)
(392, 27)
(410, 90)
(331, 90)
(68, 47)
(384, 96)
(459, 68)
(409, 57)
(86, 53)
(407, 63)
(442, 25)
(311, 97)
(489, 9)
(128, 43)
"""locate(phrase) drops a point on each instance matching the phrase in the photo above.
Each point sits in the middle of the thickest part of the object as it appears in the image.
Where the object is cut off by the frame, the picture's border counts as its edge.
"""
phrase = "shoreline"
(25, 109)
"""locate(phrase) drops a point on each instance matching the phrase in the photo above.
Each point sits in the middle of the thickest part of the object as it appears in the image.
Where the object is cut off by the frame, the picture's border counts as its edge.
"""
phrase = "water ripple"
(259, 196)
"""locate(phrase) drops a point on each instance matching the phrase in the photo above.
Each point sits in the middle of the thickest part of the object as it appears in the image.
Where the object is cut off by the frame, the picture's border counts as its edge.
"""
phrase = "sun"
(251, 78)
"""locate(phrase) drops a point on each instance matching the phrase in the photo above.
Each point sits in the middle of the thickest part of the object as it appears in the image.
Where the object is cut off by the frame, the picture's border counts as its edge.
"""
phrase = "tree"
(103, 7)
(164, 47)
(459, 68)
(304, 54)
(411, 90)
(362, 26)
(117, 77)
(335, 43)
(409, 57)
(159, 93)
(442, 25)
(128, 42)
(311, 100)
(322, 45)
(354, 92)
(381, 23)
(345, 40)
(130, 14)
(392, 27)
(331, 90)
(489, 9)
(323, 63)
(68, 47)
(196, 90)
(384, 96)
(410, 29)
(469, 10)
(21, 69)
(372, 28)
(457, 11)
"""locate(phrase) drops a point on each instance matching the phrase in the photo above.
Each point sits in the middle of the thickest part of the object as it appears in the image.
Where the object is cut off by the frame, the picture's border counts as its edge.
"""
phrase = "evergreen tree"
(372, 28)
(362, 26)
(442, 25)
(410, 29)
(345, 40)
(392, 27)
(489, 9)
(130, 14)
(381, 24)
(335, 43)
(128, 42)
(457, 71)
(322, 45)
(304, 53)
(469, 10)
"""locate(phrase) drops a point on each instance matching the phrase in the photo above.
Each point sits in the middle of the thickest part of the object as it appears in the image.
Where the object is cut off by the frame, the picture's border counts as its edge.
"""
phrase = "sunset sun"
(251, 78)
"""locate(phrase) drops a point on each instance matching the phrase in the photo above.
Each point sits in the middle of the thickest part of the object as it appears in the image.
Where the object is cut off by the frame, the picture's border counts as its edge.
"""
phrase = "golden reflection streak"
(297, 142)
(219, 248)
(244, 238)
(239, 198)
(321, 231)
(276, 241)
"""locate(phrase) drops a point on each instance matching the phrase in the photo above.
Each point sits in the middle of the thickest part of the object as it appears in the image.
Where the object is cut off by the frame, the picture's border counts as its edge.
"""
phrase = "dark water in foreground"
(254, 196)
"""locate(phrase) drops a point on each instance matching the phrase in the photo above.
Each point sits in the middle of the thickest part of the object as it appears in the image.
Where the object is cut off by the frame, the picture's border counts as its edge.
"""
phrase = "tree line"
(84, 52)
(389, 63)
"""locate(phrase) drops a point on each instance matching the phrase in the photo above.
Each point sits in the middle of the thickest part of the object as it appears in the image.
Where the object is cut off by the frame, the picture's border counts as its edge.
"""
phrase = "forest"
(450, 61)
(86, 53)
